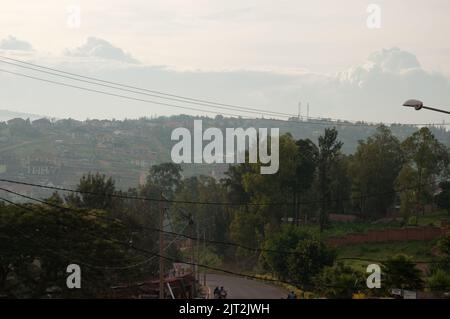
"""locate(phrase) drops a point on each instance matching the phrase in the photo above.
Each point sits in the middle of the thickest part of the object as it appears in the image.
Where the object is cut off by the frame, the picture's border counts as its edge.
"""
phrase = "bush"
(308, 259)
(340, 281)
(277, 245)
(412, 221)
(439, 281)
(210, 258)
(401, 272)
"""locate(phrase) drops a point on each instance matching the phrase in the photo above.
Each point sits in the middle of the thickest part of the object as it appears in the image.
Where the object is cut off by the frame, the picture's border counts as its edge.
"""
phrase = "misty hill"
(6, 115)
(59, 152)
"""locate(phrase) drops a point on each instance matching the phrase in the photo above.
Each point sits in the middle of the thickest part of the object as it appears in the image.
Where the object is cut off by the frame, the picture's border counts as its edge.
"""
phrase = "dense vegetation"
(285, 215)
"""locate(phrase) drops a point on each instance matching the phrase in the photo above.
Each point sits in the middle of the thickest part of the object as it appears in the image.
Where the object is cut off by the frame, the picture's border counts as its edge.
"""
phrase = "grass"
(433, 219)
(337, 229)
(418, 250)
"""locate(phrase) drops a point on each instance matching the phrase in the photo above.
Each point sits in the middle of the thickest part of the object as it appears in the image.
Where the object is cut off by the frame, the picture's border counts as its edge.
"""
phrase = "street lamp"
(418, 105)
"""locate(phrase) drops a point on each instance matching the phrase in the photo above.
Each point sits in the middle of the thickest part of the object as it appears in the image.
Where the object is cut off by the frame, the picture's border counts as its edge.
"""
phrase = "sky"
(357, 60)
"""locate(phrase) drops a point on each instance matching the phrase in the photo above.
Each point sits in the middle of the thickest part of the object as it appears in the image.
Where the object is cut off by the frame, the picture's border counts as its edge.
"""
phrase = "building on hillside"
(42, 122)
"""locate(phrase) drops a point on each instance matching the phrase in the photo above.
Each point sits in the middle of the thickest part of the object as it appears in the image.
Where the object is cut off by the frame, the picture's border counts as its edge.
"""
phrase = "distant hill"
(59, 152)
(6, 115)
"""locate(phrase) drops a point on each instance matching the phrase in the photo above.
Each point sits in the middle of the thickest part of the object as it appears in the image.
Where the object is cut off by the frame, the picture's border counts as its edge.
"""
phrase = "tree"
(401, 272)
(246, 228)
(260, 190)
(443, 198)
(215, 226)
(234, 182)
(329, 151)
(444, 245)
(44, 240)
(276, 246)
(305, 173)
(374, 168)
(166, 177)
(308, 259)
(408, 176)
(95, 192)
(430, 158)
(340, 185)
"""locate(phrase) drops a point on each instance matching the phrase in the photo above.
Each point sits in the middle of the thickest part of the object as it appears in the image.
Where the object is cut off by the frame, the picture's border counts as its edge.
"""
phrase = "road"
(242, 288)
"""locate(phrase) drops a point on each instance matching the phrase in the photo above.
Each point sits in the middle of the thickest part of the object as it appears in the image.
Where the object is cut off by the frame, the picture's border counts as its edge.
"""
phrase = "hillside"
(59, 152)
(6, 115)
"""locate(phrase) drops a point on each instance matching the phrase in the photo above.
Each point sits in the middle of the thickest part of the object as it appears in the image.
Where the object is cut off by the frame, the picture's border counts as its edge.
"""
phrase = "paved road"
(242, 288)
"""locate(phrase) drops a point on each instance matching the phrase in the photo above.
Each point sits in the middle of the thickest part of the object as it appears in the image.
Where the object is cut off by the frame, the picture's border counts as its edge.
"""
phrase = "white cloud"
(372, 91)
(99, 48)
(14, 44)
(387, 61)
(378, 86)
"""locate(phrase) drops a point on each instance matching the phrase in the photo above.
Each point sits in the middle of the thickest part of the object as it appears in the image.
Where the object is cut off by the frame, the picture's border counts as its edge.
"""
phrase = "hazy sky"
(267, 54)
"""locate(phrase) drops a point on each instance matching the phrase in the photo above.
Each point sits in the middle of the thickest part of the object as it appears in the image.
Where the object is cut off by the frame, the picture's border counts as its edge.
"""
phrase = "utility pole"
(191, 222)
(198, 250)
(204, 251)
(161, 248)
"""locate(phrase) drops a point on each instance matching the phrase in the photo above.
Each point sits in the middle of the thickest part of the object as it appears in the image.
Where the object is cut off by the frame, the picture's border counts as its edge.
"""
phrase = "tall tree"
(375, 166)
(430, 158)
(443, 198)
(95, 192)
(305, 171)
(166, 177)
(329, 151)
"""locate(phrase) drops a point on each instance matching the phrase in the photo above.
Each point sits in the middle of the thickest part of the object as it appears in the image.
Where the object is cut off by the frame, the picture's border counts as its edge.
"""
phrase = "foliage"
(430, 157)
(165, 176)
(329, 150)
(308, 259)
(90, 186)
(278, 244)
(340, 281)
(439, 281)
(374, 168)
(210, 258)
(408, 195)
(401, 272)
(46, 240)
(443, 198)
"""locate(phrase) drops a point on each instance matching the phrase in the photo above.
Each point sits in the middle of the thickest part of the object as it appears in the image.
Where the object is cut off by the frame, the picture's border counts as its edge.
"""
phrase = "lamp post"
(418, 105)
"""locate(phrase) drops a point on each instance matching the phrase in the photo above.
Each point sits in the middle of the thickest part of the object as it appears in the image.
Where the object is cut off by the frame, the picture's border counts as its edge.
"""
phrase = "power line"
(214, 242)
(174, 260)
(151, 95)
(177, 235)
(116, 195)
(158, 94)
(163, 95)
(80, 260)
(319, 121)
(114, 94)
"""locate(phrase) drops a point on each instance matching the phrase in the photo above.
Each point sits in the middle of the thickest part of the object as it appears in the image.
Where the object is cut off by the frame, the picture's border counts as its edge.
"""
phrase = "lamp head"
(416, 104)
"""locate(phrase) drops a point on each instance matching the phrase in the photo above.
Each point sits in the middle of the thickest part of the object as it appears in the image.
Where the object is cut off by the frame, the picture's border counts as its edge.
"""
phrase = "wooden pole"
(161, 249)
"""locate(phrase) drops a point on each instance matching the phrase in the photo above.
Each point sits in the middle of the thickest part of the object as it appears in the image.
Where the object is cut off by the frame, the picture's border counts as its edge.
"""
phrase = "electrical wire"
(327, 122)
(164, 200)
(213, 242)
